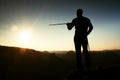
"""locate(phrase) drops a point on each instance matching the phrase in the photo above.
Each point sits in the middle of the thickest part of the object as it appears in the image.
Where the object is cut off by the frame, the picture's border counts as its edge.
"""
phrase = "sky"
(25, 23)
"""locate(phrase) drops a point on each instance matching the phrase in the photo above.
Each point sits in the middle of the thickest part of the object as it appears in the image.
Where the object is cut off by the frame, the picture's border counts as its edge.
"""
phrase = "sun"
(24, 36)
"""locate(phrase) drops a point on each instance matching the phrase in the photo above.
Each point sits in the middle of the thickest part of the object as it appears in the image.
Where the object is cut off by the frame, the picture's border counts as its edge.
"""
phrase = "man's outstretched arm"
(69, 26)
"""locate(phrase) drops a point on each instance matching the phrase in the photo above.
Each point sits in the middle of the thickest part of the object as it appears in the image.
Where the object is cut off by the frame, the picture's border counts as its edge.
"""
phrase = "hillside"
(28, 64)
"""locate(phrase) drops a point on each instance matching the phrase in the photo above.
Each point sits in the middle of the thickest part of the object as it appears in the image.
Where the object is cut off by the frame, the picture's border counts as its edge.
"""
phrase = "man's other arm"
(90, 28)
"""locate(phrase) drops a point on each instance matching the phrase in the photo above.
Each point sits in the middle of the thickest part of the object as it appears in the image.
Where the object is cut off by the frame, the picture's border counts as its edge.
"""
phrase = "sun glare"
(24, 36)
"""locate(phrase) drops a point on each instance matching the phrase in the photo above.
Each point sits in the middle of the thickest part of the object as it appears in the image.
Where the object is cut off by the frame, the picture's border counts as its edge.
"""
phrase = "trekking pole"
(57, 24)
(88, 47)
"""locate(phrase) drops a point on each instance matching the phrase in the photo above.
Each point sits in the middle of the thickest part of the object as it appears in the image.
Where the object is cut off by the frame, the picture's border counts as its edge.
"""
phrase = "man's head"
(79, 12)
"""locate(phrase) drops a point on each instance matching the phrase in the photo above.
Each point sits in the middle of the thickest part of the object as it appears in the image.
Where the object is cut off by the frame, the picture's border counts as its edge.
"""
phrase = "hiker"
(83, 27)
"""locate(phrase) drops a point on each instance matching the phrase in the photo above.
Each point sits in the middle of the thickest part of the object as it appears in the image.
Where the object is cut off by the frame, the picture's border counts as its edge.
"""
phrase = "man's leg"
(86, 53)
(78, 54)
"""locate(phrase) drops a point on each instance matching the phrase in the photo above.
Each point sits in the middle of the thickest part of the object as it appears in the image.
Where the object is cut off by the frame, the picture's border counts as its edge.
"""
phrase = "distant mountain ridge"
(29, 64)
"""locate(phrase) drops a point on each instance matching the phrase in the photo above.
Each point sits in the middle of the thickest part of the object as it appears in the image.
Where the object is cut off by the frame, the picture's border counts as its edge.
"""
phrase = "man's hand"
(69, 26)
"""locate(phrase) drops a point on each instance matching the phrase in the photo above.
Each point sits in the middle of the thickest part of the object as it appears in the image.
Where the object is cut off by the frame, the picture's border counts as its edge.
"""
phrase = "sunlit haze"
(25, 23)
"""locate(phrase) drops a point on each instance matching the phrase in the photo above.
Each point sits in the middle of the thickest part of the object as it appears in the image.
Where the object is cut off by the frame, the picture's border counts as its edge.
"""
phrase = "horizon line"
(56, 50)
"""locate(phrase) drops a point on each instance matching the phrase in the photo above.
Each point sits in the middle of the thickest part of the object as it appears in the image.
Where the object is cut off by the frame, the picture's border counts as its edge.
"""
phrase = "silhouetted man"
(83, 27)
